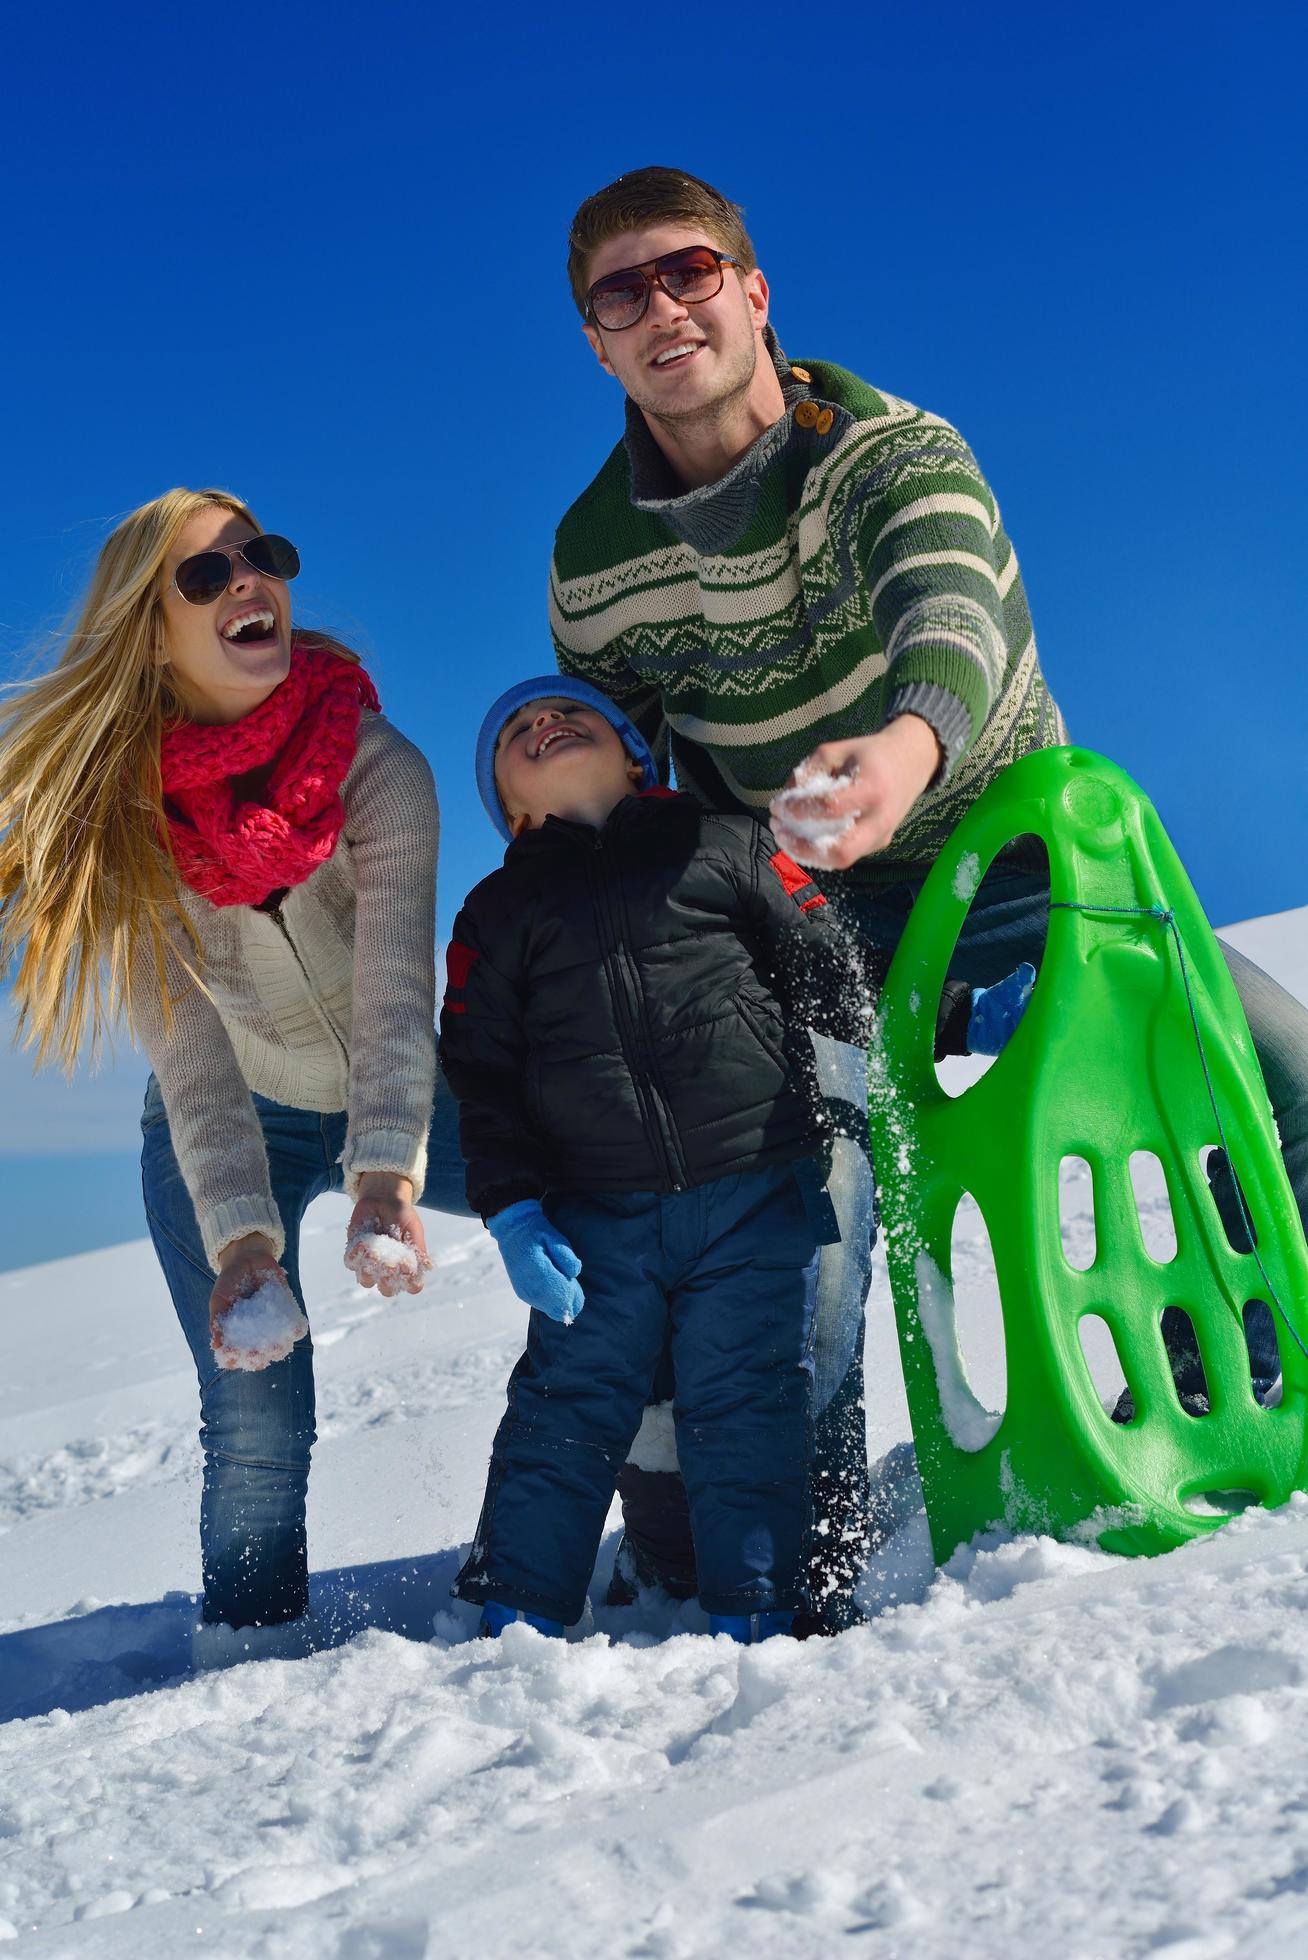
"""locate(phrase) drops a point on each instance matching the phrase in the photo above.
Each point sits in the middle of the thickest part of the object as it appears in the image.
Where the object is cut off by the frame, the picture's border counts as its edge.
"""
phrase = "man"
(779, 571)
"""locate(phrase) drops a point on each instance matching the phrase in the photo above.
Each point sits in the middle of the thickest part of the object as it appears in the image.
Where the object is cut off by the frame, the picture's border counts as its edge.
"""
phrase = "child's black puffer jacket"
(626, 1007)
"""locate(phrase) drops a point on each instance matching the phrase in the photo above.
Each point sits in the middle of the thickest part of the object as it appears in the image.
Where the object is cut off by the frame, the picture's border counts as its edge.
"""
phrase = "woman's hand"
(263, 1334)
(385, 1244)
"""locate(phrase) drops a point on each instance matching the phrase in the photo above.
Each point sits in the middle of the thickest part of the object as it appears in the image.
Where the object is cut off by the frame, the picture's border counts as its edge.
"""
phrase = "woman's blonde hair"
(89, 898)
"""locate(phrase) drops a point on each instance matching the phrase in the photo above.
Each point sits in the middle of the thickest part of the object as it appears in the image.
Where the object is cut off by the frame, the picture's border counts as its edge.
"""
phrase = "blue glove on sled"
(541, 1265)
(997, 1010)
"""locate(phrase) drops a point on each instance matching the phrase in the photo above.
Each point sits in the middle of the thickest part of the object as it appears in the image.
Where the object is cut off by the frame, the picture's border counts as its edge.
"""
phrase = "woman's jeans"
(257, 1429)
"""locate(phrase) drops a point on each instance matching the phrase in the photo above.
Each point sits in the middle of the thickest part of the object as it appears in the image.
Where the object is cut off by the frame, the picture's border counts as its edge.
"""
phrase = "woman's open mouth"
(255, 627)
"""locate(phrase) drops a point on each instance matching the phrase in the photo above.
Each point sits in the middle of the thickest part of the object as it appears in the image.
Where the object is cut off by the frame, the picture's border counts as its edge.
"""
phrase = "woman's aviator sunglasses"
(689, 276)
(207, 575)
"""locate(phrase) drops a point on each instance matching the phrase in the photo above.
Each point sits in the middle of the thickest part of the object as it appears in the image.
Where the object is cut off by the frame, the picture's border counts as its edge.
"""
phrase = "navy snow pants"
(726, 1273)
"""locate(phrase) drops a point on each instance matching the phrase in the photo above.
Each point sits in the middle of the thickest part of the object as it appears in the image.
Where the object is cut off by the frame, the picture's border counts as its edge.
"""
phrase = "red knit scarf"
(233, 847)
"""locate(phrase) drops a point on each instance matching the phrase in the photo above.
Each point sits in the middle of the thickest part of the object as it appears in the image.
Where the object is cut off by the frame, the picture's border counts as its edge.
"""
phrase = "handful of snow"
(808, 839)
(376, 1257)
(261, 1328)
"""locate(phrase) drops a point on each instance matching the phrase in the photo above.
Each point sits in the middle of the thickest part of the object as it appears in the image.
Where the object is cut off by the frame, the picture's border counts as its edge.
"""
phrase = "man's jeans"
(1006, 925)
(257, 1429)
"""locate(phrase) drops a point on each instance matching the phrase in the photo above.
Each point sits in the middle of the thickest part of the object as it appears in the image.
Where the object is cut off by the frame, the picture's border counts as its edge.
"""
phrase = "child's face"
(555, 757)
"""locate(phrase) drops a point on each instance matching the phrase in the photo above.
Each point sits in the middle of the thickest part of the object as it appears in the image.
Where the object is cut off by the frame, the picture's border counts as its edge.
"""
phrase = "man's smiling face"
(555, 757)
(680, 360)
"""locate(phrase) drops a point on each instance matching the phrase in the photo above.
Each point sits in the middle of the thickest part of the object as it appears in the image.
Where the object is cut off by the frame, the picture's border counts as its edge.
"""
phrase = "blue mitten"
(541, 1265)
(997, 1010)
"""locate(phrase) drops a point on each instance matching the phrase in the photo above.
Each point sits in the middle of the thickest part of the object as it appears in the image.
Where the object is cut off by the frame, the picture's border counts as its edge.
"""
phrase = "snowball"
(809, 838)
(261, 1328)
(373, 1255)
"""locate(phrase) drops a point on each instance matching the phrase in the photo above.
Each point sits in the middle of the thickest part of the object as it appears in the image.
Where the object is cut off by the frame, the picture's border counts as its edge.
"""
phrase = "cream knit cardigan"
(332, 1009)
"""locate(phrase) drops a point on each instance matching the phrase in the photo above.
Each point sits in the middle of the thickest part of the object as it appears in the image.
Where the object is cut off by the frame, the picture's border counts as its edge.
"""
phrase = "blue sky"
(317, 257)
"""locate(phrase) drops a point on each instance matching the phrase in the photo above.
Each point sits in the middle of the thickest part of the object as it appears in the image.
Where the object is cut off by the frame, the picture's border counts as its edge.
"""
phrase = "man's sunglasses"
(207, 575)
(689, 276)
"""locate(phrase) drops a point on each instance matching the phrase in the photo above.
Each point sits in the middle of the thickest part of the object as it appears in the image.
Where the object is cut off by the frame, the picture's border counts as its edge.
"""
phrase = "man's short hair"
(653, 196)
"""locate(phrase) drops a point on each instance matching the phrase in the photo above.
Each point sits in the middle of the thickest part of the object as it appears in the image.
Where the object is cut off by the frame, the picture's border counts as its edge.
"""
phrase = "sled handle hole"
(1264, 1352)
(1153, 1206)
(1104, 1365)
(962, 1317)
(980, 957)
(1229, 1198)
(1076, 1213)
(1181, 1346)
(1220, 1503)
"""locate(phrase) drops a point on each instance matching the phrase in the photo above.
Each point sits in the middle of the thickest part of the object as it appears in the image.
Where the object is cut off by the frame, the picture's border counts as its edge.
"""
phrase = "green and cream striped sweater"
(850, 568)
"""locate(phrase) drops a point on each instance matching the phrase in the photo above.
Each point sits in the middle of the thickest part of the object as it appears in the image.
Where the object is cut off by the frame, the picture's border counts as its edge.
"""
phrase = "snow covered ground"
(1039, 1749)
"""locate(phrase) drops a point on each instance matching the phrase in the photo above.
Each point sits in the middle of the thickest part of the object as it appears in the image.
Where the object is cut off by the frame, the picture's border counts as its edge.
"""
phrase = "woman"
(208, 828)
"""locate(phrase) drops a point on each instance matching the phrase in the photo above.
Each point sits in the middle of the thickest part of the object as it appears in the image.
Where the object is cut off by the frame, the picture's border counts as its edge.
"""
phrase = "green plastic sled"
(1105, 1063)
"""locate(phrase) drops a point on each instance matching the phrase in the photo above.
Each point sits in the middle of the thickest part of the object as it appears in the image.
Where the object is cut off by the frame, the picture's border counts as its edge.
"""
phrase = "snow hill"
(1039, 1749)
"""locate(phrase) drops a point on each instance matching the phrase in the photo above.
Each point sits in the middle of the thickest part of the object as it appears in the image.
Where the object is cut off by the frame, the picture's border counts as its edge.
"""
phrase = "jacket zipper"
(279, 920)
(671, 1137)
(631, 1015)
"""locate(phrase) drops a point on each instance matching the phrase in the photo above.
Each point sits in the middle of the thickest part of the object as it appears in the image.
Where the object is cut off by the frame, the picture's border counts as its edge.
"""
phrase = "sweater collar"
(714, 516)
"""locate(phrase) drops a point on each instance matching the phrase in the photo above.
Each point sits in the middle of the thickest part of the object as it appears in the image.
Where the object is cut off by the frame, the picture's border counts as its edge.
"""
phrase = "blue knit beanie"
(543, 688)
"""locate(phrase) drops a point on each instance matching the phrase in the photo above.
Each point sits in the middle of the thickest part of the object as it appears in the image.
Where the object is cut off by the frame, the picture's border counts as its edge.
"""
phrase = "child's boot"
(494, 1619)
(750, 1628)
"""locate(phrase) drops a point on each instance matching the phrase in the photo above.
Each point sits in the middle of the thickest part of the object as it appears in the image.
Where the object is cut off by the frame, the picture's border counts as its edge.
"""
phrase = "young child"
(624, 1029)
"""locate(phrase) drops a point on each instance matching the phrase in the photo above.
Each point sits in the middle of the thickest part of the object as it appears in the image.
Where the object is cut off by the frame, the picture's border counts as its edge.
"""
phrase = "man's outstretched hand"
(848, 799)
